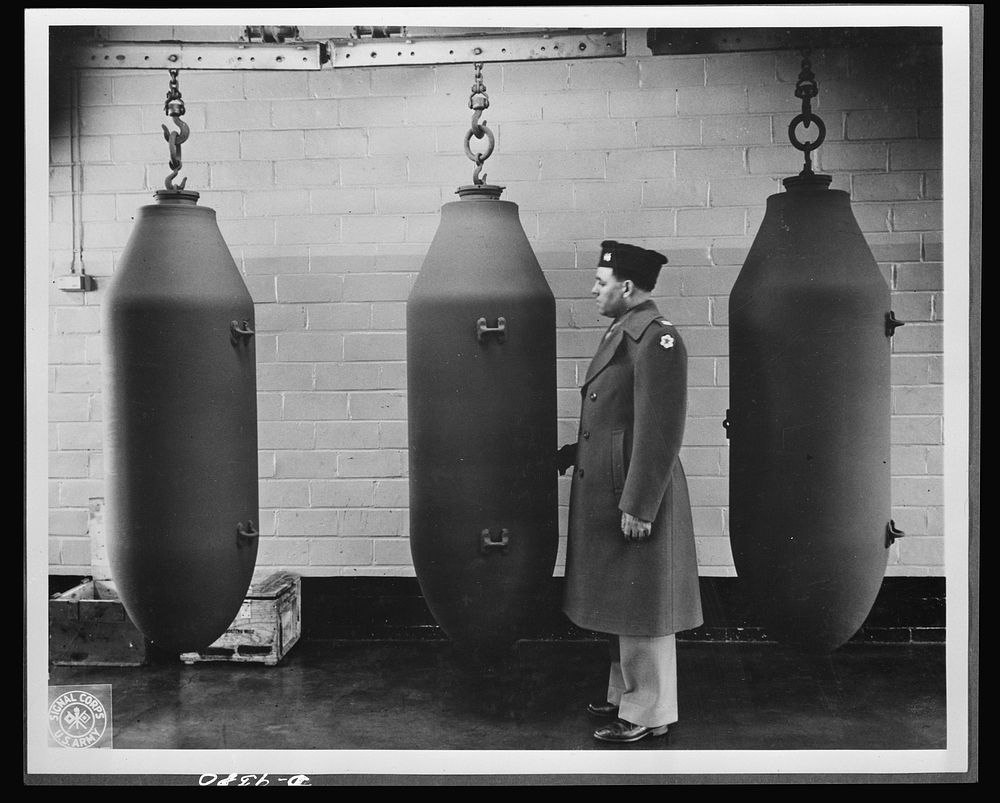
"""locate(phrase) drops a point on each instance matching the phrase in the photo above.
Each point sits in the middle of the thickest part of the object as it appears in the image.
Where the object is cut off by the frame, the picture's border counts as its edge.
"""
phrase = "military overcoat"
(633, 408)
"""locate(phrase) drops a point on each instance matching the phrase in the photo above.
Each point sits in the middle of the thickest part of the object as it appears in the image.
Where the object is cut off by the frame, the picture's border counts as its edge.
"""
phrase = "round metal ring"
(479, 158)
(806, 146)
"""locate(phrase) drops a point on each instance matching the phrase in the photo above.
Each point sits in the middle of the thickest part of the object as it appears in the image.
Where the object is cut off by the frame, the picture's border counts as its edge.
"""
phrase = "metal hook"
(477, 127)
(476, 178)
(175, 139)
(168, 182)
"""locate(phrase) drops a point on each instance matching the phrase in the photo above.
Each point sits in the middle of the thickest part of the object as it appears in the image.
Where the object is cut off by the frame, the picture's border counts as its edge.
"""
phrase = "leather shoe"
(602, 709)
(621, 731)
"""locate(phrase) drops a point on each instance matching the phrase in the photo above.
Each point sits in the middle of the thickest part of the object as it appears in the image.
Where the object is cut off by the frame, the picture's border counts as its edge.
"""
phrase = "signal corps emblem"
(79, 717)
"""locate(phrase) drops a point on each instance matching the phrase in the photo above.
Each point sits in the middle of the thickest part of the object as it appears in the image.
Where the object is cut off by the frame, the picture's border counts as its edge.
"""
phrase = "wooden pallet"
(266, 628)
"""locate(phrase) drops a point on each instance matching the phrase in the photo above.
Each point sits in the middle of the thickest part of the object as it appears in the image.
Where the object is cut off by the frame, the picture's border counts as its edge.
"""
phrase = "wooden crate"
(266, 628)
(88, 626)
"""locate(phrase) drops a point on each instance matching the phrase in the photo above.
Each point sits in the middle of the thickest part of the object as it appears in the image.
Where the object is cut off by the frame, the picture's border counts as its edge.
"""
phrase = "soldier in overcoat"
(631, 568)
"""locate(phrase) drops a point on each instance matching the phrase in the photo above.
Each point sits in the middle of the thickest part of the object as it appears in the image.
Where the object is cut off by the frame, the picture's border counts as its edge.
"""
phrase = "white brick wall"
(328, 186)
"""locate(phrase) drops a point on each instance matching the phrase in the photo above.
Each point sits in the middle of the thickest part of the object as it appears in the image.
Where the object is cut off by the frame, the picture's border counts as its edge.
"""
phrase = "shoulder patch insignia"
(665, 322)
(667, 342)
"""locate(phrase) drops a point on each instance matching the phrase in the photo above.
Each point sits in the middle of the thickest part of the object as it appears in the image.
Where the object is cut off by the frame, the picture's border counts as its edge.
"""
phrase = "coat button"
(586, 434)
(580, 473)
(593, 397)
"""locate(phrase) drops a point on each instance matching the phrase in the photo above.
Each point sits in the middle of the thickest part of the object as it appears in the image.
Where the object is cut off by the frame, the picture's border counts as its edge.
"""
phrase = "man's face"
(609, 293)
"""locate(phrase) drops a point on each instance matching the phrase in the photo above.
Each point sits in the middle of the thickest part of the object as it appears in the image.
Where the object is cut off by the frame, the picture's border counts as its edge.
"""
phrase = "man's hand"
(565, 457)
(635, 529)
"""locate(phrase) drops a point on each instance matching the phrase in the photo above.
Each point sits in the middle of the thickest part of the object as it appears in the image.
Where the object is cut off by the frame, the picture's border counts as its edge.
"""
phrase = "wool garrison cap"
(640, 265)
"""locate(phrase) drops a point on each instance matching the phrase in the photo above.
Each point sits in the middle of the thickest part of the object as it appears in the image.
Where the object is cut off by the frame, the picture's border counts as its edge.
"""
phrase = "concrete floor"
(332, 695)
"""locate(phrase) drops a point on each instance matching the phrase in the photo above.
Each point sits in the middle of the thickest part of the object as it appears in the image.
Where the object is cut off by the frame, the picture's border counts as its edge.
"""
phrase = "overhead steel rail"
(279, 48)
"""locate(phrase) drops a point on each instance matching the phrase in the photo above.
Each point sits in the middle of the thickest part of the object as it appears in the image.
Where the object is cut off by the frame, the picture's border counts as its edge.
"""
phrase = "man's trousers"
(643, 679)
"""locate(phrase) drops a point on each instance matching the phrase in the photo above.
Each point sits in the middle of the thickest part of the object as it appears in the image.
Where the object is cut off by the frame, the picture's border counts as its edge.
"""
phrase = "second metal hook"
(175, 139)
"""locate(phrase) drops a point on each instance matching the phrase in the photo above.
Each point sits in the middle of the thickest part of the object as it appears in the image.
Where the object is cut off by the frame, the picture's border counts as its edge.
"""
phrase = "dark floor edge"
(907, 610)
